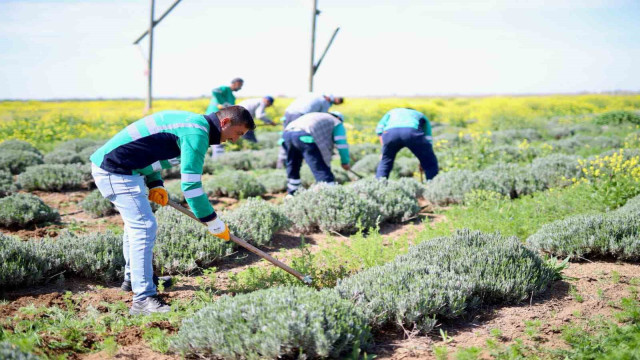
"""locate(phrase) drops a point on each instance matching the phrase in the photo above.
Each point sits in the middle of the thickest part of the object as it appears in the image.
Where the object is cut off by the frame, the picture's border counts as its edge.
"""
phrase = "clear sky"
(83, 49)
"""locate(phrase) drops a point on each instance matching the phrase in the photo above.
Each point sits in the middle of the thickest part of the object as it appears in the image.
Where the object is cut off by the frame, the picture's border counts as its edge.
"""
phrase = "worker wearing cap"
(256, 108)
(403, 127)
(312, 137)
(307, 103)
(222, 97)
(133, 159)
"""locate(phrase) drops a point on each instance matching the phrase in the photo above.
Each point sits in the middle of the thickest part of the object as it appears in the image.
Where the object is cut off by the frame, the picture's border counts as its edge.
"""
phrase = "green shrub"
(7, 187)
(55, 177)
(358, 151)
(268, 140)
(614, 234)
(395, 202)
(413, 186)
(511, 136)
(576, 143)
(18, 145)
(9, 351)
(256, 221)
(617, 118)
(551, 170)
(94, 256)
(367, 165)
(16, 161)
(64, 157)
(264, 159)
(513, 153)
(274, 181)
(235, 184)
(88, 151)
(444, 277)
(96, 205)
(79, 145)
(330, 208)
(506, 179)
(21, 210)
(282, 322)
(405, 166)
(184, 245)
(24, 262)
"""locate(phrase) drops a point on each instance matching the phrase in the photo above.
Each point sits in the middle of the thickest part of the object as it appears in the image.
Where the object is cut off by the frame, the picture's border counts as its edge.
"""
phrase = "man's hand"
(220, 107)
(159, 195)
(218, 229)
(346, 167)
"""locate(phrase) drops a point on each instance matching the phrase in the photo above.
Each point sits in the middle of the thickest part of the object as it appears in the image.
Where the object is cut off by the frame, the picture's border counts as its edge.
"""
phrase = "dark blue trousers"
(296, 151)
(394, 140)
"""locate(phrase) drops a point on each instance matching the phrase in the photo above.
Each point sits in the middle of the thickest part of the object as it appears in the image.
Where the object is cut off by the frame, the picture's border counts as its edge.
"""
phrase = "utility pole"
(150, 66)
(312, 68)
(152, 24)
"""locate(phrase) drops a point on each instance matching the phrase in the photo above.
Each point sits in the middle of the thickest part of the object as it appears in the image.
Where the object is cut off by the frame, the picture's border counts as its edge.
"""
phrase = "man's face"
(231, 132)
(235, 86)
(337, 101)
(267, 103)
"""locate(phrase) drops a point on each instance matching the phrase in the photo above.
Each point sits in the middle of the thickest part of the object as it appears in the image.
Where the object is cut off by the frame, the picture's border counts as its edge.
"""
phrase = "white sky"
(82, 49)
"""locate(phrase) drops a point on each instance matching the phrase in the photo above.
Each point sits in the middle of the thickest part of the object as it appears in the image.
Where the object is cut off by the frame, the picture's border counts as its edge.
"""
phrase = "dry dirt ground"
(597, 283)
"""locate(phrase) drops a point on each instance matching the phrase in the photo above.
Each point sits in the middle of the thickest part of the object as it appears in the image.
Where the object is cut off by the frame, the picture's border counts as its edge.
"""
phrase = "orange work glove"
(159, 195)
(218, 229)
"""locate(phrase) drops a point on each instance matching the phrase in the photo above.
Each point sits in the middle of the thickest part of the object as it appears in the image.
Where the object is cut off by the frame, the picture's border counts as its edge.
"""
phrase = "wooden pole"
(312, 65)
(150, 67)
(157, 22)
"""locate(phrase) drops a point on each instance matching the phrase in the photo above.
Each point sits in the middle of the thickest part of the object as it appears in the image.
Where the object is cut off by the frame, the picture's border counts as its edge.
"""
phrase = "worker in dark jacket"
(409, 128)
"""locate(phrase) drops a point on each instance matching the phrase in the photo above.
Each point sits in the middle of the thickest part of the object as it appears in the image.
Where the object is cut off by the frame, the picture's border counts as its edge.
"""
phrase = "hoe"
(304, 278)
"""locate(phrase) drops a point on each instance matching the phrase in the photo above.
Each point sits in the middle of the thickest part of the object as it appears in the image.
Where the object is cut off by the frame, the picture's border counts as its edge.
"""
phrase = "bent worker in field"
(256, 108)
(312, 137)
(222, 97)
(305, 104)
(403, 127)
(133, 159)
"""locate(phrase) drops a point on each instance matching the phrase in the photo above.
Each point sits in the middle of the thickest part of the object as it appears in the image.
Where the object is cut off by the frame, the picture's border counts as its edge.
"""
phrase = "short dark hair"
(237, 80)
(238, 116)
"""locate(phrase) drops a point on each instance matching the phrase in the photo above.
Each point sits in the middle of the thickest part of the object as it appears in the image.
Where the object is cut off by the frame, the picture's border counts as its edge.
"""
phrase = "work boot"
(151, 304)
(167, 281)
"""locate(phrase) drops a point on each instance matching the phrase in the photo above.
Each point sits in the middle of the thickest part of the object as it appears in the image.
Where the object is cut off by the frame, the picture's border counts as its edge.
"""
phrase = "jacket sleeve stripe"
(193, 193)
(190, 177)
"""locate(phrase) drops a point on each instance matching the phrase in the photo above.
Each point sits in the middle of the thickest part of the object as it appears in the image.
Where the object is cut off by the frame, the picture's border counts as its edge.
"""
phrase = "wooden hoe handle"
(305, 279)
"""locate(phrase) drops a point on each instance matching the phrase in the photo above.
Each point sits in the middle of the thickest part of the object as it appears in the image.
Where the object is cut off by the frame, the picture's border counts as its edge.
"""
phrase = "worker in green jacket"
(223, 96)
(133, 159)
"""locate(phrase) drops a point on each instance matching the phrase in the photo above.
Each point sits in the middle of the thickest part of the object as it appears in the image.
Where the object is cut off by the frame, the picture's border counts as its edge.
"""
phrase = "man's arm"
(262, 115)
(154, 180)
(427, 130)
(220, 96)
(192, 153)
(382, 124)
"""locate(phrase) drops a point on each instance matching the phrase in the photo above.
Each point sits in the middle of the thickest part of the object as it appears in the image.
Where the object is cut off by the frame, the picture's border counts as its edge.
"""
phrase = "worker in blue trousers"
(404, 127)
(311, 138)
(305, 104)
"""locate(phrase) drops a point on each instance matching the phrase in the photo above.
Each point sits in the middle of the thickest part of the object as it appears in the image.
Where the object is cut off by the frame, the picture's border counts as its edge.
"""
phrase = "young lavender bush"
(55, 177)
(330, 208)
(551, 170)
(235, 184)
(64, 157)
(9, 351)
(617, 118)
(268, 140)
(7, 187)
(183, 245)
(97, 206)
(358, 151)
(396, 203)
(445, 277)
(21, 210)
(367, 165)
(16, 161)
(256, 221)
(79, 145)
(18, 145)
(281, 322)
(274, 181)
(615, 234)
